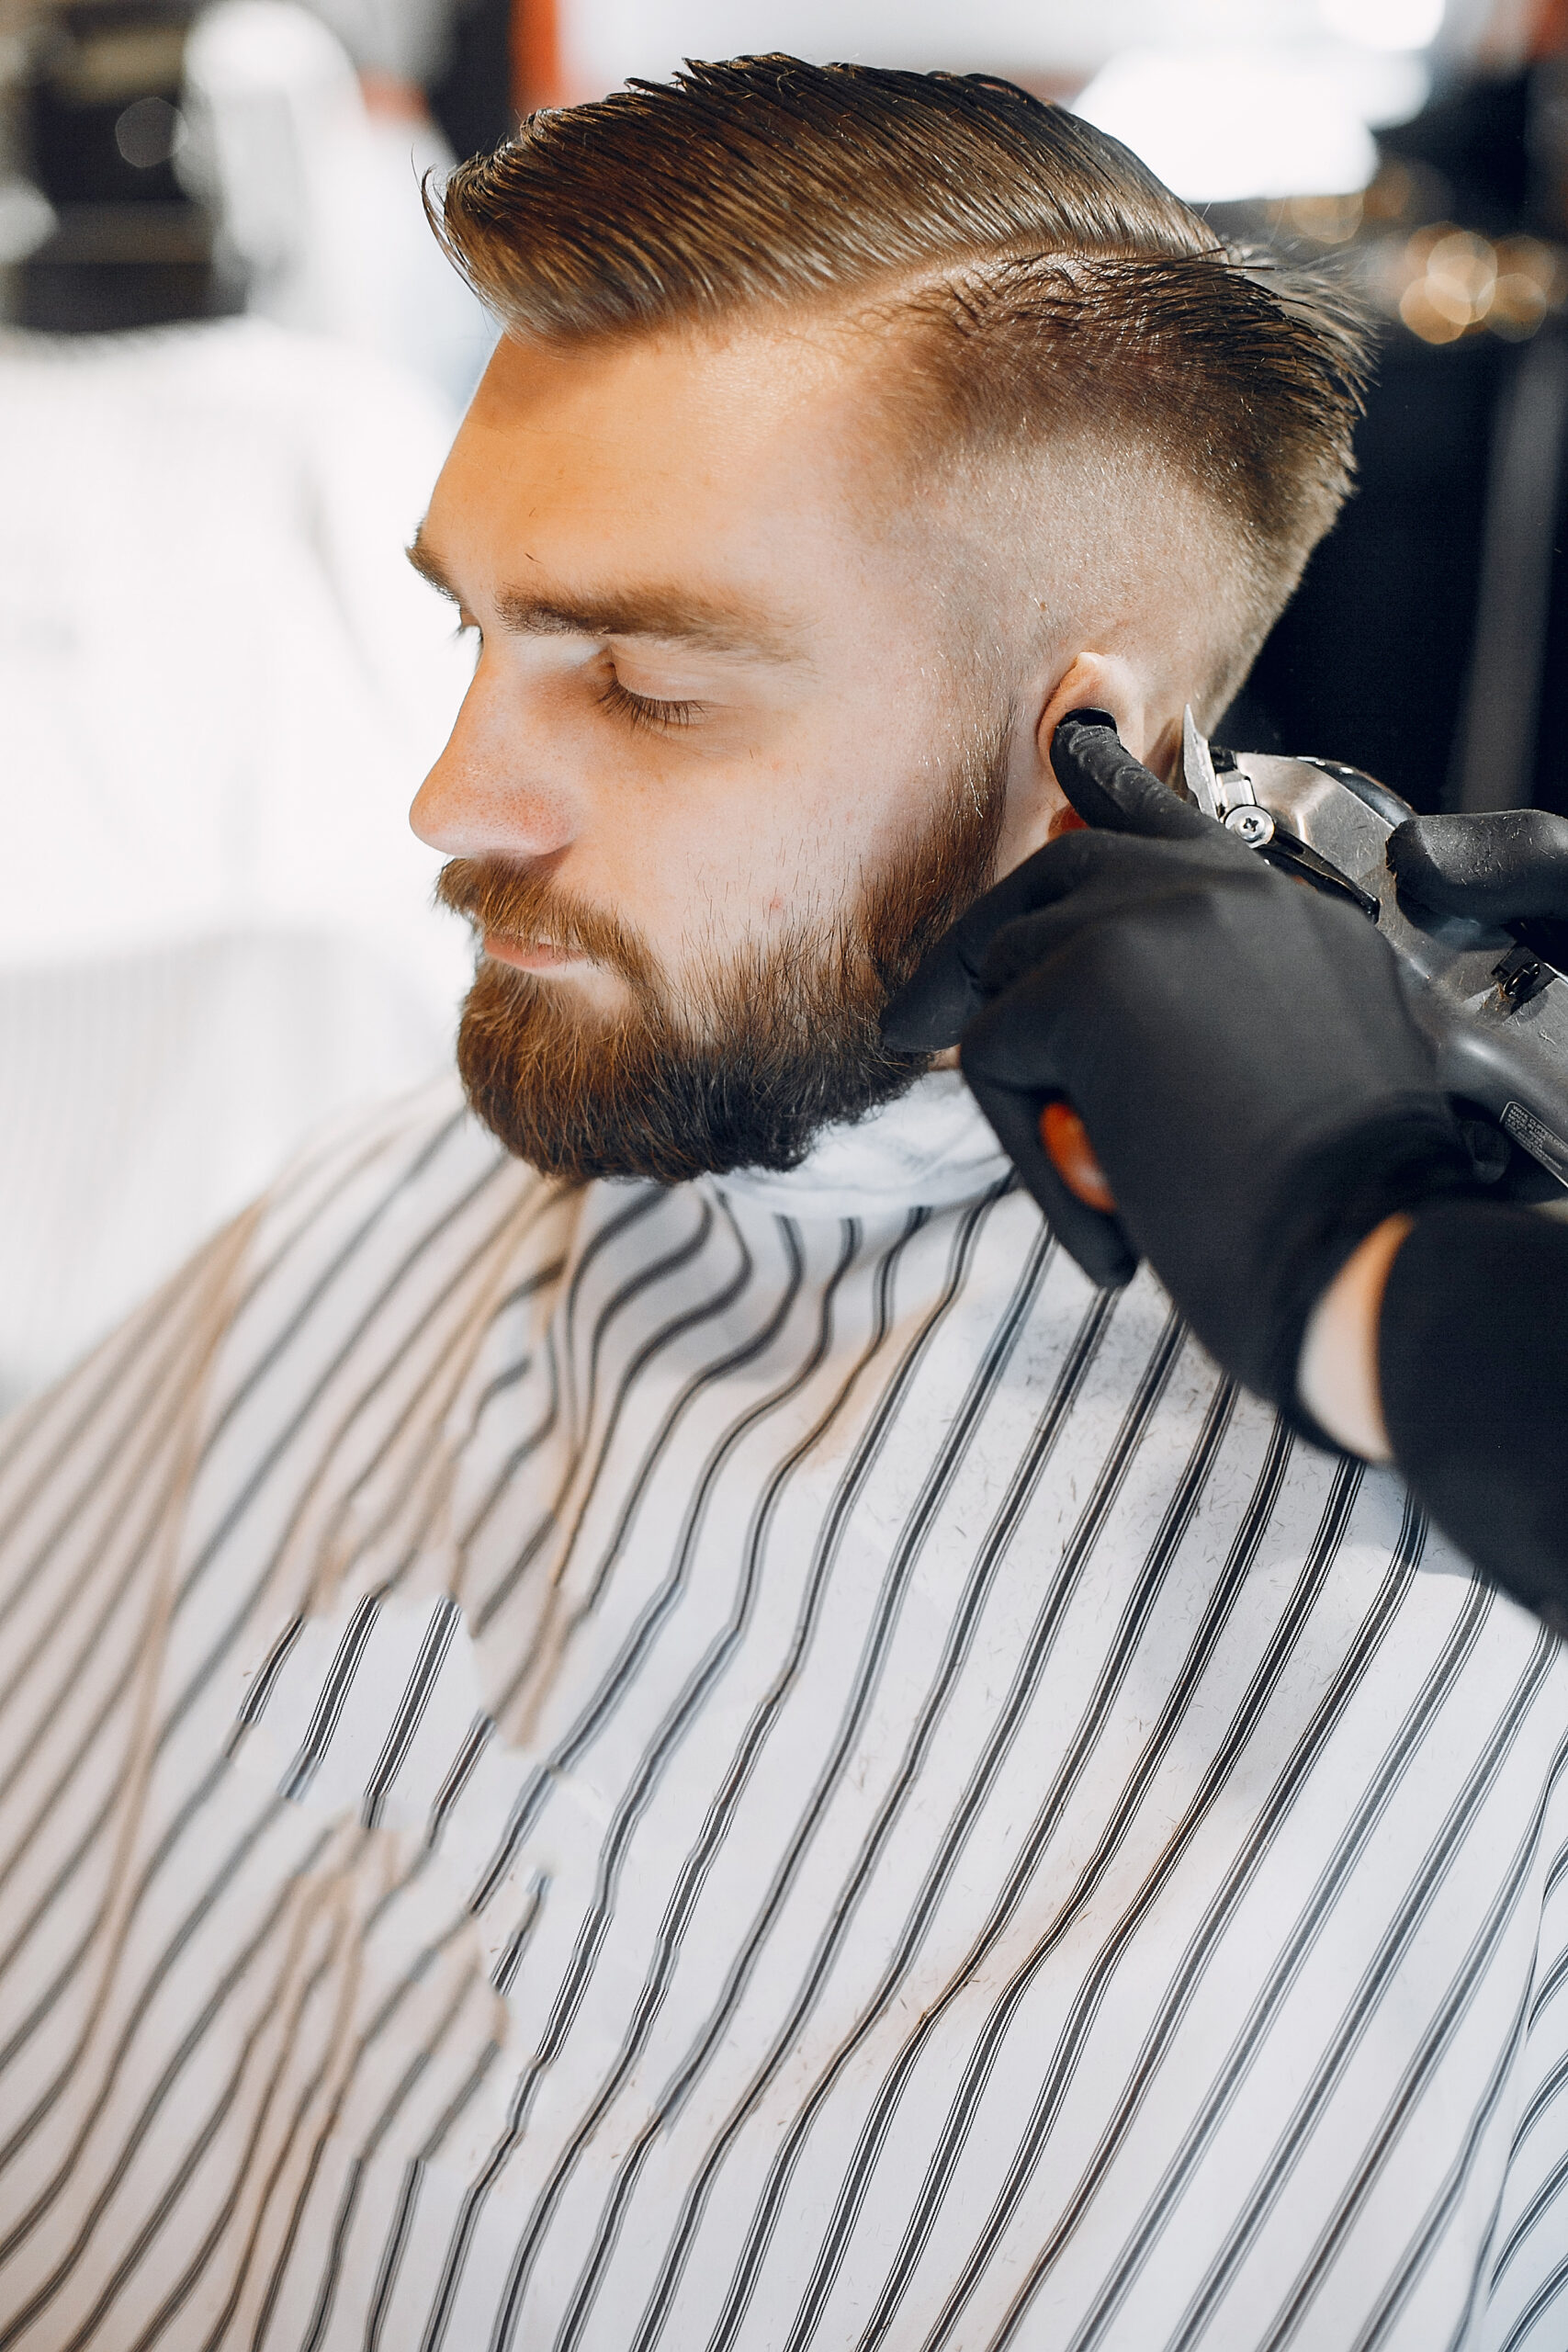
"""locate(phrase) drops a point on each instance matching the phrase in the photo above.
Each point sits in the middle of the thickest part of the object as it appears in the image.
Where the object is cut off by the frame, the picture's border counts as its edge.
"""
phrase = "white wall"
(605, 40)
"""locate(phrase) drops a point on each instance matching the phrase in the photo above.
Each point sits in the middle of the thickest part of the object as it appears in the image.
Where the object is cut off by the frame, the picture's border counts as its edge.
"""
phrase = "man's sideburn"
(742, 1067)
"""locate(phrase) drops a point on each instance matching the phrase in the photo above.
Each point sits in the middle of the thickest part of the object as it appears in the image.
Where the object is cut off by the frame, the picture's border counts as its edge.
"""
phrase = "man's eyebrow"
(428, 565)
(710, 624)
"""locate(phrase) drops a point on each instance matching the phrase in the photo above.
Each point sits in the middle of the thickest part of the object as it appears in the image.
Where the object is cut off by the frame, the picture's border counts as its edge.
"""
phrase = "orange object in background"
(1071, 1154)
(1549, 34)
(535, 55)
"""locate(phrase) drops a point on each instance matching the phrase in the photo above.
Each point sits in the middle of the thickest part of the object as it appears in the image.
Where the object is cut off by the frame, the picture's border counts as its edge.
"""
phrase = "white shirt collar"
(931, 1148)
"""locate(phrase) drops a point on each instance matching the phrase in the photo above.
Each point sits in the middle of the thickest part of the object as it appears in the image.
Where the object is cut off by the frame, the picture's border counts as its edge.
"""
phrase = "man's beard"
(745, 1065)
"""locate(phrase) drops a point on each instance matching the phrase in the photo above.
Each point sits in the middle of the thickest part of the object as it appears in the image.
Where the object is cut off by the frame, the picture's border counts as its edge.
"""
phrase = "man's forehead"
(724, 494)
(588, 492)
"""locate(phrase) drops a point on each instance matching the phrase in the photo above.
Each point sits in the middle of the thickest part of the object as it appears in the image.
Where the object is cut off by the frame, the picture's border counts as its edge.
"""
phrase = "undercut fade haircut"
(1048, 286)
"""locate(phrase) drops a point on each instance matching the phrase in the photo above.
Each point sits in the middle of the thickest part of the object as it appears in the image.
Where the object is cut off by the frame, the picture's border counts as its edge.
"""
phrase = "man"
(708, 1746)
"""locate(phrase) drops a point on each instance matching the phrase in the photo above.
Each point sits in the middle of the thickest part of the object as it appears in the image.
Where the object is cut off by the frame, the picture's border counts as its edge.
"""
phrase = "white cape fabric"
(719, 1767)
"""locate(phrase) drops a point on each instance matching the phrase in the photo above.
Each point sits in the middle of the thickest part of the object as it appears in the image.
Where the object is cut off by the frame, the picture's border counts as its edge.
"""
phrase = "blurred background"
(231, 359)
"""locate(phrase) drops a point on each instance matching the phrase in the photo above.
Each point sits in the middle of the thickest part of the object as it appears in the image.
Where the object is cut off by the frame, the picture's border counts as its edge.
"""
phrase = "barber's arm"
(1443, 1342)
(1237, 1092)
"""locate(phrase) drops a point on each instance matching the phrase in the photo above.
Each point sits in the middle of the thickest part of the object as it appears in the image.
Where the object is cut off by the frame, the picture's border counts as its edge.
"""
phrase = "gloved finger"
(1009, 1061)
(936, 1004)
(1115, 792)
(1150, 889)
(1110, 787)
(1497, 866)
(1096, 1240)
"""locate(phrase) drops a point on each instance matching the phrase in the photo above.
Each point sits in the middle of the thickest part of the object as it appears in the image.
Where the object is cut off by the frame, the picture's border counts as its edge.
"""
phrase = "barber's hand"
(1496, 865)
(1236, 1044)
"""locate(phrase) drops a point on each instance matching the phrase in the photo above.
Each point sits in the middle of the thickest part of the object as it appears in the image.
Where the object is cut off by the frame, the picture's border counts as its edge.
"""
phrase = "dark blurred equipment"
(96, 132)
(473, 96)
(1502, 747)
(100, 131)
(1428, 642)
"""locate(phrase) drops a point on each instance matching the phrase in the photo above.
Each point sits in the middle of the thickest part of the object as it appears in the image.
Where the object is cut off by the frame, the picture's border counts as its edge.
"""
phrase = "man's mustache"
(516, 903)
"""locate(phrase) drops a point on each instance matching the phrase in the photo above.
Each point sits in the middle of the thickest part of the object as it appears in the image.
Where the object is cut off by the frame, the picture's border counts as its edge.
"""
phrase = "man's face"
(725, 768)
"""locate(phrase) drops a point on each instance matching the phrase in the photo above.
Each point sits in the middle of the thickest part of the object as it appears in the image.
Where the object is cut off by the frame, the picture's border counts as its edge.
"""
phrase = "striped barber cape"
(754, 1765)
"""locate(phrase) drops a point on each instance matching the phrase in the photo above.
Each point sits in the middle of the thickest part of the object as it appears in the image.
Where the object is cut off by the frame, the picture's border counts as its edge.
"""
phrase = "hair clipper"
(1493, 1001)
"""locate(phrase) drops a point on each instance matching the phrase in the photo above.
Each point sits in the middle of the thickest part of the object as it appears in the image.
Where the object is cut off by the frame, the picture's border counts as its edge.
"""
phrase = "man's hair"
(1049, 287)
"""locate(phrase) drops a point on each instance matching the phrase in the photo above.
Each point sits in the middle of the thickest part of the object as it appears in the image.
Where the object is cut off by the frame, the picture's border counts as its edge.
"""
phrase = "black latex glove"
(1236, 1044)
(1496, 865)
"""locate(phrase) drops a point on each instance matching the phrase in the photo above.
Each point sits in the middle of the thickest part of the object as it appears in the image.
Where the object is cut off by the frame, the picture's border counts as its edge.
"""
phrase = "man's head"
(849, 427)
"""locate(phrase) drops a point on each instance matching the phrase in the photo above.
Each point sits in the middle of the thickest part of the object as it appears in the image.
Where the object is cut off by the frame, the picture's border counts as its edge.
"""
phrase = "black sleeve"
(1473, 1353)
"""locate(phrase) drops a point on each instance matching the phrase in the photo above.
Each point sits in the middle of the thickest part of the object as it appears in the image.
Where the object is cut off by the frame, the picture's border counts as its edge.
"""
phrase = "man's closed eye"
(647, 710)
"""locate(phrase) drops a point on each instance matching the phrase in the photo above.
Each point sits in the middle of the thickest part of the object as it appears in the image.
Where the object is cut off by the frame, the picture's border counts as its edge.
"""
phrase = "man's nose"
(494, 792)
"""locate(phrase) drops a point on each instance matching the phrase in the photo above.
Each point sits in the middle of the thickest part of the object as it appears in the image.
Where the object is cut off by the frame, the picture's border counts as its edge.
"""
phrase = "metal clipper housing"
(1493, 1003)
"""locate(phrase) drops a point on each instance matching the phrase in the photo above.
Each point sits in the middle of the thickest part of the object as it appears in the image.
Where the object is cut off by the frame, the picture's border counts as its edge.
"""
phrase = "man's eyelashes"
(632, 709)
(646, 710)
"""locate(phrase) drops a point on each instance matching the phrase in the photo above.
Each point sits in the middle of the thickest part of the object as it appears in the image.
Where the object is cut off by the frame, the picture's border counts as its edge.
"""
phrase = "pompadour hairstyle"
(1048, 284)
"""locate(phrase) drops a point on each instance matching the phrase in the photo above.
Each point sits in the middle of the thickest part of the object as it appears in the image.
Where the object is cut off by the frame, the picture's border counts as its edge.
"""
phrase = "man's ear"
(1107, 682)
(1096, 682)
